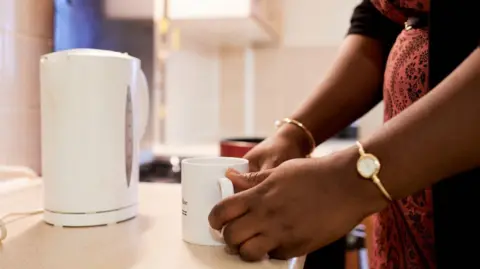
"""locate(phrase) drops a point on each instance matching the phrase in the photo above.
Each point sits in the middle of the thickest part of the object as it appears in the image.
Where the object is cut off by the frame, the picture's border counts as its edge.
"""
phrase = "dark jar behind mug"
(238, 147)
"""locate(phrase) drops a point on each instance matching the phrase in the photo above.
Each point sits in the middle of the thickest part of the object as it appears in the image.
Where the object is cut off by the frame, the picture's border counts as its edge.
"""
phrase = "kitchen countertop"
(151, 240)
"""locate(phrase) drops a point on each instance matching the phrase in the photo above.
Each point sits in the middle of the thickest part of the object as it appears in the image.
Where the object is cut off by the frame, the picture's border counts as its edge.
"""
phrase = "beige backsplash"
(283, 79)
(232, 94)
(26, 31)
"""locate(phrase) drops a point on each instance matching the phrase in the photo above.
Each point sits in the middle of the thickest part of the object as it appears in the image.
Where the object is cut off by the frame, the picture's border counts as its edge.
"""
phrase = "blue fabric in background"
(78, 24)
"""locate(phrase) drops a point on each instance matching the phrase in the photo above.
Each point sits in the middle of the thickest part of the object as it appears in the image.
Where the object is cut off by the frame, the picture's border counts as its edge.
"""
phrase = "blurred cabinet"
(214, 22)
(129, 9)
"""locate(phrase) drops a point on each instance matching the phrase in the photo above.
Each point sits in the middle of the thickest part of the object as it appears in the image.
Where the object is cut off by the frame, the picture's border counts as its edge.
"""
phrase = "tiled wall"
(26, 31)
(232, 92)
(283, 78)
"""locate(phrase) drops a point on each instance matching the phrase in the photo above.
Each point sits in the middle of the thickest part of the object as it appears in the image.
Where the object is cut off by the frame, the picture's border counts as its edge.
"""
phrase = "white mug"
(203, 186)
(94, 106)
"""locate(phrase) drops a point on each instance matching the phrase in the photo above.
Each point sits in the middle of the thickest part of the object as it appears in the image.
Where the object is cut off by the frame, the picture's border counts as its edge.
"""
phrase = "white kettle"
(94, 112)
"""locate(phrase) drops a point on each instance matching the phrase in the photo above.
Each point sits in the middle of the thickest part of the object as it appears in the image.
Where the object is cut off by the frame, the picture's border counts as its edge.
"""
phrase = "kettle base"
(90, 219)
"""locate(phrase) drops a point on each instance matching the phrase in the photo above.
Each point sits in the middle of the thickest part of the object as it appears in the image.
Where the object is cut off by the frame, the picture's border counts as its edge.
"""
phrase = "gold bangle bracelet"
(300, 125)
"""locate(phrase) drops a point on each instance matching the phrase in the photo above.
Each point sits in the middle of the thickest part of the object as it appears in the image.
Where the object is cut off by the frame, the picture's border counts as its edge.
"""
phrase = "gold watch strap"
(379, 184)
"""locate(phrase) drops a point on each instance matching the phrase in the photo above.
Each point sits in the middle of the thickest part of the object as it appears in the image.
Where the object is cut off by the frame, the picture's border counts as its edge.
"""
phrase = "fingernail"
(232, 171)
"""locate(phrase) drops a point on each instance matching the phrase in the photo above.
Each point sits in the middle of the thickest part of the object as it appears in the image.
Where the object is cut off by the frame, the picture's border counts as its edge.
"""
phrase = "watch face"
(368, 166)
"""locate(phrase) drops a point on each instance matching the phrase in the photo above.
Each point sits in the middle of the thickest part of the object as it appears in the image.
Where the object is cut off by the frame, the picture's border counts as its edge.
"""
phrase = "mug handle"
(143, 103)
(226, 190)
(226, 187)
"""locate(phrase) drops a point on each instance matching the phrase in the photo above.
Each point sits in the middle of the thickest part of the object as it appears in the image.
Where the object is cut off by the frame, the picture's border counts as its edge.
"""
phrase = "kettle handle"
(144, 103)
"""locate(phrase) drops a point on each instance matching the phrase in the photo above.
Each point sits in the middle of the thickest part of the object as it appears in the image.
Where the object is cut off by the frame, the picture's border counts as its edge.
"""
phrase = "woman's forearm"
(350, 89)
(435, 138)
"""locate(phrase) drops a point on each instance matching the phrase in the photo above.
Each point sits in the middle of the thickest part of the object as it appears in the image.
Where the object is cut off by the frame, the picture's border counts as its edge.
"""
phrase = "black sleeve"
(368, 21)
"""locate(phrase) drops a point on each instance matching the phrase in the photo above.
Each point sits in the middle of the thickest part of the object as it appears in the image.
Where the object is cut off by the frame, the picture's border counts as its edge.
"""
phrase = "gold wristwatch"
(368, 166)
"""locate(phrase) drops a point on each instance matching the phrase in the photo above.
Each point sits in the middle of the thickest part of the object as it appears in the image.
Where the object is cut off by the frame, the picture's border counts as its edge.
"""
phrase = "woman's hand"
(296, 208)
(289, 143)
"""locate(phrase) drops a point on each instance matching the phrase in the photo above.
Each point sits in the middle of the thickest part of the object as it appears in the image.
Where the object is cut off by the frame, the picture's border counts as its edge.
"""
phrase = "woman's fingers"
(269, 164)
(246, 181)
(231, 208)
(240, 230)
(253, 167)
(256, 248)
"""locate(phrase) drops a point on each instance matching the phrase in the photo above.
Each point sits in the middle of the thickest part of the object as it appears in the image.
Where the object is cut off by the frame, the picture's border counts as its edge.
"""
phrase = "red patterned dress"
(404, 234)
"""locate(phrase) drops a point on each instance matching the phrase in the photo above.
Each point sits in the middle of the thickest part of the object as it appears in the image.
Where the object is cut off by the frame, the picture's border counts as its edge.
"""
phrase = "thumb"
(246, 181)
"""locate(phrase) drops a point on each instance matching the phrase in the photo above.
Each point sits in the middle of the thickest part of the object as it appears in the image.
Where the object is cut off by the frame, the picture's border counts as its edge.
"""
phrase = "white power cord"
(3, 221)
